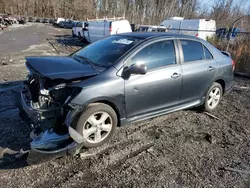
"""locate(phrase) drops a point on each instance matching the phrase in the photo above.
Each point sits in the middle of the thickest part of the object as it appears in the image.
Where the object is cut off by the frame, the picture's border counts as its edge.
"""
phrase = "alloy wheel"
(214, 97)
(97, 127)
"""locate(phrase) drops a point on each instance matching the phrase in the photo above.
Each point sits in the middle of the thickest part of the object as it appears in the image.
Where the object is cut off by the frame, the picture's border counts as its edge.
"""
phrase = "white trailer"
(201, 28)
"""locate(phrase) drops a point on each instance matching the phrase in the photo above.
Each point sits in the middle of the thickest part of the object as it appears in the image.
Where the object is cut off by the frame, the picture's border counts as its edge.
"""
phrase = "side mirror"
(138, 68)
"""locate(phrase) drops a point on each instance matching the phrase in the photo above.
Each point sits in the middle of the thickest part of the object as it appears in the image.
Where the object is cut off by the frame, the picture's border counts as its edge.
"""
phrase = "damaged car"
(78, 100)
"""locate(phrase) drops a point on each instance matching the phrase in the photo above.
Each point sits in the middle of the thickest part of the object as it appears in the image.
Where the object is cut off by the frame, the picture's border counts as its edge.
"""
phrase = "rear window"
(192, 50)
(208, 54)
(107, 51)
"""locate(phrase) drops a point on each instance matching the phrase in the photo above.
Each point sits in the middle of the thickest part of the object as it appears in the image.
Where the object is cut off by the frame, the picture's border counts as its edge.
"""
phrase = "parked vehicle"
(69, 24)
(133, 27)
(79, 100)
(229, 34)
(21, 20)
(38, 20)
(77, 29)
(45, 20)
(31, 19)
(51, 21)
(57, 21)
(61, 24)
(201, 28)
(100, 28)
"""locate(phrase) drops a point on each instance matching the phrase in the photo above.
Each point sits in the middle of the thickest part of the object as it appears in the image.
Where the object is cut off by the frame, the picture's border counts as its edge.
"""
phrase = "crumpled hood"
(54, 67)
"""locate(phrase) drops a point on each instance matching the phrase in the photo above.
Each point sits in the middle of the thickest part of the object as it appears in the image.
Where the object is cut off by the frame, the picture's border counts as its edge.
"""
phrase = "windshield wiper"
(86, 59)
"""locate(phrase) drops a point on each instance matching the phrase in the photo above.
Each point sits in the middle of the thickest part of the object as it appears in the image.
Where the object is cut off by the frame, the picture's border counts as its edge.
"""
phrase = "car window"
(208, 55)
(156, 55)
(107, 51)
(192, 50)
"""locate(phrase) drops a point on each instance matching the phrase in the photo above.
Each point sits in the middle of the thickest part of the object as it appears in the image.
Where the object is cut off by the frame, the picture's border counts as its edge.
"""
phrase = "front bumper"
(43, 119)
(29, 115)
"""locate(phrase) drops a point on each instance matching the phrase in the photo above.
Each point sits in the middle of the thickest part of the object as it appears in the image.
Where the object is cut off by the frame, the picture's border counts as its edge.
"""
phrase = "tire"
(213, 97)
(89, 124)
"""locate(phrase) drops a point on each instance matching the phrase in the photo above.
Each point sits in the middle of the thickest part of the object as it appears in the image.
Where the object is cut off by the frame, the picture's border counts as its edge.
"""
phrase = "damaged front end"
(44, 105)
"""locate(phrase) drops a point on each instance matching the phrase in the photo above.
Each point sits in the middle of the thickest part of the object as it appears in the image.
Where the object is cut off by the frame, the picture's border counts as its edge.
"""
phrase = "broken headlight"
(65, 94)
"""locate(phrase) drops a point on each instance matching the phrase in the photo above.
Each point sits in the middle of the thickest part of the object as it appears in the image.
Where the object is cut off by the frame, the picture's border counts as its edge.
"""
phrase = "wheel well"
(222, 83)
(112, 105)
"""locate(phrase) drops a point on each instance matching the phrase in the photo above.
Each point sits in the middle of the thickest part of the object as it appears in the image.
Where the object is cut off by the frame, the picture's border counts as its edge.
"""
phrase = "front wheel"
(97, 124)
(213, 97)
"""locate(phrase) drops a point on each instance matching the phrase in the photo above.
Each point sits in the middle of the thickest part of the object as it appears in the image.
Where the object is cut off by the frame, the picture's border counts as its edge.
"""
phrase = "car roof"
(146, 35)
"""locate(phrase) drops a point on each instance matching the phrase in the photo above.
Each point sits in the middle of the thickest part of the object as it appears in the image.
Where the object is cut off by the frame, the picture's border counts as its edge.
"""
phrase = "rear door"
(198, 70)
(107, 28)
(78, 29)
(96, 31)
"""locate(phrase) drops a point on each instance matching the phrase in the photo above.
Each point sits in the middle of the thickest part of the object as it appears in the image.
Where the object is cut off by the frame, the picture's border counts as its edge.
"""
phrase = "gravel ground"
(183, 149)
(34, 39)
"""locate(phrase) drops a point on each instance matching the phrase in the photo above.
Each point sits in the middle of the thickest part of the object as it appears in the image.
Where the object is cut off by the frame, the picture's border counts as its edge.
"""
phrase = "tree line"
(136, 11)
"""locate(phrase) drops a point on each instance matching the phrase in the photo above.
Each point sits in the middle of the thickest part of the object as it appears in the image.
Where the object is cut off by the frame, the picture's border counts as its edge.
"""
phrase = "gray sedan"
(119, 80)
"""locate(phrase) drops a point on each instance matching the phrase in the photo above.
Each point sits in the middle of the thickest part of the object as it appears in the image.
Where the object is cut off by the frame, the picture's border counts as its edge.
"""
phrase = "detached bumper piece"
(48, 140)
(37, 156)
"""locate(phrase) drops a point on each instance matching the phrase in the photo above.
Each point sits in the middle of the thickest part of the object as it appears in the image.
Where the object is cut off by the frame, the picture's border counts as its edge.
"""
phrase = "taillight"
(110, 28)
(233, 63)
(197, 35)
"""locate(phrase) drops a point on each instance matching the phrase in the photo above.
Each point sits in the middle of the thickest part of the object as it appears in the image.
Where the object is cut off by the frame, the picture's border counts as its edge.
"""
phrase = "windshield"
(107, 51)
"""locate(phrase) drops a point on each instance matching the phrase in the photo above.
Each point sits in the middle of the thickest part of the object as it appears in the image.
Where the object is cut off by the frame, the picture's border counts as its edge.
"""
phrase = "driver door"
(159, 88)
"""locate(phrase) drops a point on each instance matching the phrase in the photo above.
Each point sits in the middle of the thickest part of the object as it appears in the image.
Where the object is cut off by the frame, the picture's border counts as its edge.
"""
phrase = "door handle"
(210, 68)
(176, 75)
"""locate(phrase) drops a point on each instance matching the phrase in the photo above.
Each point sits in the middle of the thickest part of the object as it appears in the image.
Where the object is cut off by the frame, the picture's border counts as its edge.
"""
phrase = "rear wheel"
(213, 97)
(97, 124)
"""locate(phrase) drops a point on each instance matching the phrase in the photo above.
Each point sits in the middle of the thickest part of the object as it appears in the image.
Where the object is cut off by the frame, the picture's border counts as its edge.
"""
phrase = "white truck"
(99, 28)
(59, 20)
(201, 28)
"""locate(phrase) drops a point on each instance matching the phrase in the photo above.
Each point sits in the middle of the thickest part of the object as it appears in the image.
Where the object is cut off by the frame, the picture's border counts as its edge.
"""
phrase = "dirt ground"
(183, 149)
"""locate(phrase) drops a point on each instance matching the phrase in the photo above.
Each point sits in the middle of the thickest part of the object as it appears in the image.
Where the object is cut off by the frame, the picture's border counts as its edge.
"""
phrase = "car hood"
(54, 67)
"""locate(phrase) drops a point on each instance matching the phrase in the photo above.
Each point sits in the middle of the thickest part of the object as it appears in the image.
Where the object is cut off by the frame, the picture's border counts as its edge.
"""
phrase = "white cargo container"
(201, 28)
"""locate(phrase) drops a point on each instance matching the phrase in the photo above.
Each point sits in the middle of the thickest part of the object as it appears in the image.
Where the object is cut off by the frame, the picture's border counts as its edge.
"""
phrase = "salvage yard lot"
(184, 149)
